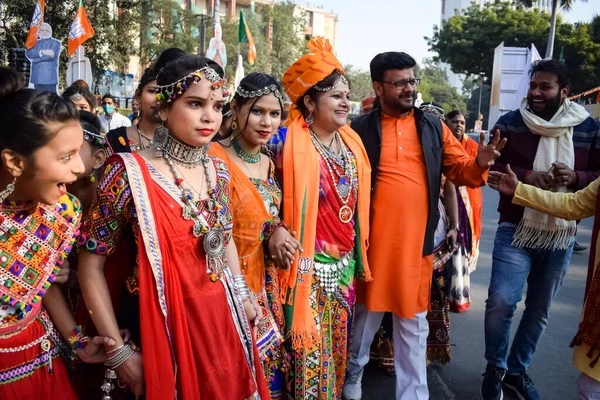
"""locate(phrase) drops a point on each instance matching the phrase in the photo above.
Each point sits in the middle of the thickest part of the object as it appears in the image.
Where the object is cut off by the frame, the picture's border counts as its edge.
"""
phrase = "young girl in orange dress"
(256, 202)
(39, 152)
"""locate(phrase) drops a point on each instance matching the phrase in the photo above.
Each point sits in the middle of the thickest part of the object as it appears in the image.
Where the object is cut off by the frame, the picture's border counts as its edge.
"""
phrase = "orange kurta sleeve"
(459, 166)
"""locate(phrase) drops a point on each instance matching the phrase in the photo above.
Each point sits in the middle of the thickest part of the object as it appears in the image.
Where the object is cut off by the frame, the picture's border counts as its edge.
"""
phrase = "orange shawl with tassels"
(301, 191)
(249, 215)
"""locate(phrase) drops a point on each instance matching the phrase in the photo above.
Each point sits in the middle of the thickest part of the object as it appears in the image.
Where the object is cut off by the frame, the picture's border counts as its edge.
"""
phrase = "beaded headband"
(170, 92)
(330, 88)
(260, 92)
(94, 138)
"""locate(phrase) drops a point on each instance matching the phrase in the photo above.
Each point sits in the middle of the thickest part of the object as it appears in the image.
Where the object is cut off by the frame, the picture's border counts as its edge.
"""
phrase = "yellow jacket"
(569, 206)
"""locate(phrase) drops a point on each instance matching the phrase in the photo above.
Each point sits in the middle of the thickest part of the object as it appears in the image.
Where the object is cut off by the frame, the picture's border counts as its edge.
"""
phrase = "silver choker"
(179, 152)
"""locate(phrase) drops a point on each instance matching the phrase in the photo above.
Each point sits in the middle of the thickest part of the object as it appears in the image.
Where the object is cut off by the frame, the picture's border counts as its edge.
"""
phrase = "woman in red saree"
(196, 339)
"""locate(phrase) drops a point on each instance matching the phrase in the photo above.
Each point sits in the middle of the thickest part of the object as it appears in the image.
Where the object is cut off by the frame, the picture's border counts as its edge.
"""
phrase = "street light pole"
(202, 36)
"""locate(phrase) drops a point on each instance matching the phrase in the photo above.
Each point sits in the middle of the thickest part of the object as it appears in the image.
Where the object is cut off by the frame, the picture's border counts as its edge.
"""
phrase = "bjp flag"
(36, 23)
(81, 29)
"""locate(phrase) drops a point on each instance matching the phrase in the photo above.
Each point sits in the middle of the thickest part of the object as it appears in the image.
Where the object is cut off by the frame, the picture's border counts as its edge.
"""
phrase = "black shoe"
(579, 247)
(522, 386)
(491, 388)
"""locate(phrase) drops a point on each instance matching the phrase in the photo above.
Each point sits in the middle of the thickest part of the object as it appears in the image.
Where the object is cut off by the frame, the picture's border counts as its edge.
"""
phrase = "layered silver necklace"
(179, 152)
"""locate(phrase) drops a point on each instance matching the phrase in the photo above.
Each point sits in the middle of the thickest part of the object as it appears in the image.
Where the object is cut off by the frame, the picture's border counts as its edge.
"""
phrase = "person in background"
(553, 144)
(570, 206)
(134, 117)
(408, 151)
(111, 118)
(82, 98)
(137, 137)
(471, 205)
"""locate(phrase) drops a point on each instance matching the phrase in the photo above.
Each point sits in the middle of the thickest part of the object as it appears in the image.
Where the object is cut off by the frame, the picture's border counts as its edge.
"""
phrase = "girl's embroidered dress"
(196, 340)
(255, 204)
(34, 240)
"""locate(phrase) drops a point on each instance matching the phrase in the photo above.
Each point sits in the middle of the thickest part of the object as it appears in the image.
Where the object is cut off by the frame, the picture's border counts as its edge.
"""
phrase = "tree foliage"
(467, 41)
(361, 86)
(435, 87)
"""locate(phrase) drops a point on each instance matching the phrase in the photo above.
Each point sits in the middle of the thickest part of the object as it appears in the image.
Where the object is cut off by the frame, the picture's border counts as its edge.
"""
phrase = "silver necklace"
(179, 152)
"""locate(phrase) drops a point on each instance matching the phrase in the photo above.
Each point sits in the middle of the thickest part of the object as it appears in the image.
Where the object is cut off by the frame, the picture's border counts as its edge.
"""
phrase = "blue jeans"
(544, 271)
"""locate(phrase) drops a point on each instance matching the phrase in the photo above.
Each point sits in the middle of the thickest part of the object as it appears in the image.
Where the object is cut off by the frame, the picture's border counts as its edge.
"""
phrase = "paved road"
(551, 370)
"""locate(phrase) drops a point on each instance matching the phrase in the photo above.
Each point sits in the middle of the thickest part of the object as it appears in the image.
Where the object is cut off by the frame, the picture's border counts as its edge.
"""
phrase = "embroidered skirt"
(24, 374)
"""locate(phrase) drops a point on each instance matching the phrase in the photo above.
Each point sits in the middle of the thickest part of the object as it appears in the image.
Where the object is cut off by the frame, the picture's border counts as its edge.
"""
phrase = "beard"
(400, 104)
(550, 107)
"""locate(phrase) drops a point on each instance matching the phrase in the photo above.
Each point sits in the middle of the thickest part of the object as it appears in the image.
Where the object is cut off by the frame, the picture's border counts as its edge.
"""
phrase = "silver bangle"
(118, 356)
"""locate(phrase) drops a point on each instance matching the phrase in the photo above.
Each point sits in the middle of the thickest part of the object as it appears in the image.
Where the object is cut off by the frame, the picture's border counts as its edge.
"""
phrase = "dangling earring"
(234, 125)
(160, 134)
(309, 119)
(8, 191)
(91, 177)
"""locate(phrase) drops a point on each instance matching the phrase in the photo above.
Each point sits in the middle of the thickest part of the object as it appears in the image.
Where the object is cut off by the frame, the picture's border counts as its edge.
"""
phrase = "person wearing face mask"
(326, 196)
(552, 144)
(256, 202)
(111, 118)
(408, 150)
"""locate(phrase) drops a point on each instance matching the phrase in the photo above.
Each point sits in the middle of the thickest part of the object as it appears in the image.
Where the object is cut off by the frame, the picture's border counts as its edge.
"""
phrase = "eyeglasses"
(400, 85)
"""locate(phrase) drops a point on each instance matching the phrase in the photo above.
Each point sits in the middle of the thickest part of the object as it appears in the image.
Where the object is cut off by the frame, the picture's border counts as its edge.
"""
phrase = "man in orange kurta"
(409, 151)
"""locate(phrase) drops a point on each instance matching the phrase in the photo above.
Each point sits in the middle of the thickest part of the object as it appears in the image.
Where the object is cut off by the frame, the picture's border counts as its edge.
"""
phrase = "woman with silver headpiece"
(256, 201)
(196, 311)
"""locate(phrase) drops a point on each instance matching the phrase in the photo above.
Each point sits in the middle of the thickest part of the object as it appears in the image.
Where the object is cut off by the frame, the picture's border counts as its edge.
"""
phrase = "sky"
(366, 28)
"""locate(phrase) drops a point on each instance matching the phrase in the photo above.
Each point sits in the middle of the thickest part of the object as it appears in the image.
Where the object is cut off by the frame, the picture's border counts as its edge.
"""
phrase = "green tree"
(467, 41)
(286, 46)
(565, 5)
(435, 87)
(361, 86)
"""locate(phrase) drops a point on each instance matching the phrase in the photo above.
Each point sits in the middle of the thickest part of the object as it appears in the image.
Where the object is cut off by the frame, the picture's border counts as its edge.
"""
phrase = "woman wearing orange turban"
(326, 195)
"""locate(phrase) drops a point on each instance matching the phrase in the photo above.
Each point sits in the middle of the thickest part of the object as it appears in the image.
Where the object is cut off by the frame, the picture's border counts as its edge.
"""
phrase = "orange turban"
(311, 68)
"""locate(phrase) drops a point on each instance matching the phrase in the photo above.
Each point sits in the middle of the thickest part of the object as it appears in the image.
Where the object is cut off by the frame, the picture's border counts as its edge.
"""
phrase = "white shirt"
(114, 122)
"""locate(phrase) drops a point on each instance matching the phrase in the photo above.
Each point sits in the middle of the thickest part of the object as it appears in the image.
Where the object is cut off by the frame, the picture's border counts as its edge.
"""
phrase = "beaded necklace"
(246, 156)
(214, 237)
(346, 182)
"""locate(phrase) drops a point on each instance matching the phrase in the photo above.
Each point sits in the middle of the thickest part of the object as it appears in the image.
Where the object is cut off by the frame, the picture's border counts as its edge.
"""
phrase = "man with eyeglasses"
(408, 150)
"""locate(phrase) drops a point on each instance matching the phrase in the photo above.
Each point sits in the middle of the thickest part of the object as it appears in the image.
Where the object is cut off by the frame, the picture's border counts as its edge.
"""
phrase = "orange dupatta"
(300, 203)
(249, 213)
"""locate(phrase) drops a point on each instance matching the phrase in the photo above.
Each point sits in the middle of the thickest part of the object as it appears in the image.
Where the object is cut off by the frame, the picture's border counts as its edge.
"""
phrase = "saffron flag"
(245, 36)
(81, 29)
(36, 23)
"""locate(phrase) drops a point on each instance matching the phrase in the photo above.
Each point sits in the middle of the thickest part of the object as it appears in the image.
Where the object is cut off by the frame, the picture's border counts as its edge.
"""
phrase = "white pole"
(79, 49)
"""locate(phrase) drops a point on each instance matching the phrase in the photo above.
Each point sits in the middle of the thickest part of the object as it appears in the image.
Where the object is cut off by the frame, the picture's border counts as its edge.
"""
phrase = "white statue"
(419, 100)
(216, 48)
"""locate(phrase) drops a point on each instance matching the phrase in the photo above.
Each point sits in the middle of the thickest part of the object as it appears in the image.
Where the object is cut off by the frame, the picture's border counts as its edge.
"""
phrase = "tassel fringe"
(534, 235)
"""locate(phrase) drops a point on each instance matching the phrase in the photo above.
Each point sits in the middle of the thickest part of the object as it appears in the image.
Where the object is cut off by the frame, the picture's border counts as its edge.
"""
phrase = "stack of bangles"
(117, 356)
(240, 284)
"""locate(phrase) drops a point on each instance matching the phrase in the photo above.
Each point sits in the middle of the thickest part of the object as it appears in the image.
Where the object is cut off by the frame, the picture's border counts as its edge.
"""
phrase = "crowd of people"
(231, 246)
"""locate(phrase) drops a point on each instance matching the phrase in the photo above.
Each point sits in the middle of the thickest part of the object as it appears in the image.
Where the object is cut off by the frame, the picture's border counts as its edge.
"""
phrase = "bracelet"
(270, 227)
(115, 358)
(78, 340)
(240, 284)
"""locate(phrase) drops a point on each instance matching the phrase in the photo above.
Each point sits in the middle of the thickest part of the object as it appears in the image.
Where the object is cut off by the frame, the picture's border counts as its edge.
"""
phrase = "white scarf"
(537, 230)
